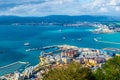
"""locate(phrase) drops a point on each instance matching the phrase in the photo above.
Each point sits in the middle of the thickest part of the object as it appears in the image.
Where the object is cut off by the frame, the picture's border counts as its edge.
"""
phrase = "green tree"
(110, 70)
(73, 71)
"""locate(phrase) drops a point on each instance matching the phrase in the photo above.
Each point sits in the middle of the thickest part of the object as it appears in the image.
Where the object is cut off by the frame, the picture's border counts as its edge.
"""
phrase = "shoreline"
(89, 57)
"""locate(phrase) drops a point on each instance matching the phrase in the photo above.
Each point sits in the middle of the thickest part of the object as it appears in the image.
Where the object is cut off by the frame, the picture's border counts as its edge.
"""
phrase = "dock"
(41, 48)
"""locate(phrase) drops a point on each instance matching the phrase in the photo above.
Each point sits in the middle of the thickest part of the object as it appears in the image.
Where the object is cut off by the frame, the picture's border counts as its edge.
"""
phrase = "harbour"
(10, 68)
(88, 57)
(59, 40)
(19, 51)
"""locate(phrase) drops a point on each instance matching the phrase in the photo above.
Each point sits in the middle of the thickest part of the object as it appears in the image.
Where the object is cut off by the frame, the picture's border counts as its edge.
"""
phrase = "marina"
(10, 68)
(43, 36)
(87, 57)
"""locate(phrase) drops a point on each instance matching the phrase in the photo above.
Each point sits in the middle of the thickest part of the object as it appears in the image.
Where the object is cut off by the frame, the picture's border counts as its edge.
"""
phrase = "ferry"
(26, 44)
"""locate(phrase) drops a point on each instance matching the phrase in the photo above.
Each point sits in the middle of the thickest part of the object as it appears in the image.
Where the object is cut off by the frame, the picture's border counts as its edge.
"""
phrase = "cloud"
(59, 7)
(114, 2)
(103, 9)
(117, 8)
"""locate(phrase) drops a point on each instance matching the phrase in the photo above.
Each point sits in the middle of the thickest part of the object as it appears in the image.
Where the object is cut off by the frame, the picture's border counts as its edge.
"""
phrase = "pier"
(42, 48)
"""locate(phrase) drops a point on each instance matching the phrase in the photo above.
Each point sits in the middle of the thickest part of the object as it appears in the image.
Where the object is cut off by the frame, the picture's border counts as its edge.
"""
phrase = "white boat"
(26, 44)
(79, 39)
(28, 50)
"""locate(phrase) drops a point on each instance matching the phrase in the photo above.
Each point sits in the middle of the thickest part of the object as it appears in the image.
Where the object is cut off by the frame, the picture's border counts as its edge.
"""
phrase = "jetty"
(41, 48)
(18, 62)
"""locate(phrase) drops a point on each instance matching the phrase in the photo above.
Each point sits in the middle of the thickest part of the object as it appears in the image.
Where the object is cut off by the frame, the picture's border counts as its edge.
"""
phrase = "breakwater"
(18, 62)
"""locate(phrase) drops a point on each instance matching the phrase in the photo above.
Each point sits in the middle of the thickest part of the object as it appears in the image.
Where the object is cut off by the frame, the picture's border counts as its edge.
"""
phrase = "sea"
(13, 37)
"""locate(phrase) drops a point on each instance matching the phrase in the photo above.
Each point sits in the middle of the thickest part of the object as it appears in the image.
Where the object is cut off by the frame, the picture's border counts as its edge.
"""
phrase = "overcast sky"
(59, 7)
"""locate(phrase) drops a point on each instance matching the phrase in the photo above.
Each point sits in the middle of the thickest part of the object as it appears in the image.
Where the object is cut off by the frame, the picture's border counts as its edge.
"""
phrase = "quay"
(41, 48)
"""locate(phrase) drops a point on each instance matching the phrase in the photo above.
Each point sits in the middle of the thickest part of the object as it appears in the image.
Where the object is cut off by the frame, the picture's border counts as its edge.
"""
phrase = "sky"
(59, 7)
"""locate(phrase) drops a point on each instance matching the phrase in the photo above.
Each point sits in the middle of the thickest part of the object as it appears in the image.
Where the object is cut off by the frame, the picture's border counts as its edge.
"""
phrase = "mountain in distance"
(57, 19)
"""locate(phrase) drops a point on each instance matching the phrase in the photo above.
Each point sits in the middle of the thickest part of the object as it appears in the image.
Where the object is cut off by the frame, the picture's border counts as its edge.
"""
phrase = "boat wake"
(95, 39)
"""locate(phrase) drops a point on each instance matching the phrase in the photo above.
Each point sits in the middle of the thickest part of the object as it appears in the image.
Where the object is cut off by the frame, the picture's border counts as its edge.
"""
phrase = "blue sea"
(13, 37)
